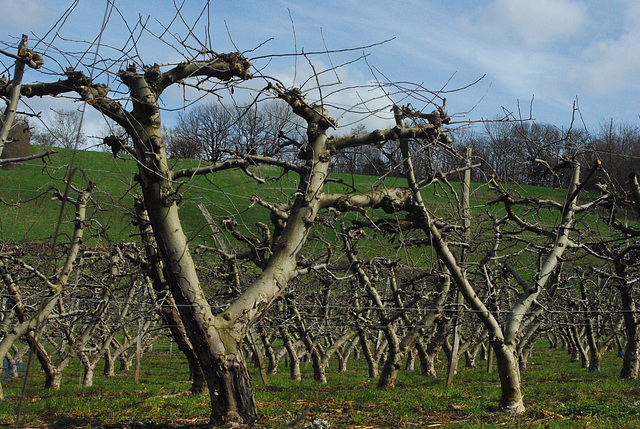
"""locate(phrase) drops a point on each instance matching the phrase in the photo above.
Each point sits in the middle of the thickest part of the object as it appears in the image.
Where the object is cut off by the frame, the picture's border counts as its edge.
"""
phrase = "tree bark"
(372, 362)
(631, 359)
(294, 360)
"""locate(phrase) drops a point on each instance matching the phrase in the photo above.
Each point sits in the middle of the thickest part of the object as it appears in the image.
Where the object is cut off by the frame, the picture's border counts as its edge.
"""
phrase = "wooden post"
(217, 234)
(136, 374)
(466, 222)
(489, 359)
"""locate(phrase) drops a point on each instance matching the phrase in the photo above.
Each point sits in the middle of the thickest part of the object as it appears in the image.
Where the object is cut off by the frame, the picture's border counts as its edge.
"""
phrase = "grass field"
(557, 394)
(27, 211)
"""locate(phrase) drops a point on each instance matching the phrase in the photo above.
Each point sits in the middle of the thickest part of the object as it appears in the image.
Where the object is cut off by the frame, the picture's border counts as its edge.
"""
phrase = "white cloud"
(532, 23)
(613, 64)
(349, 96)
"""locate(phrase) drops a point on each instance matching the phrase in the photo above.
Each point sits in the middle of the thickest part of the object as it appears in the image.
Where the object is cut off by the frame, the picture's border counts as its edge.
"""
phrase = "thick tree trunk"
(509, 372)
(87, 376)
(470, 355)
(167, 309)
(428, 364)
(392, 363)
(595, 357)
(319, 369)
(53, 379)
(421, 351)
(125, 359)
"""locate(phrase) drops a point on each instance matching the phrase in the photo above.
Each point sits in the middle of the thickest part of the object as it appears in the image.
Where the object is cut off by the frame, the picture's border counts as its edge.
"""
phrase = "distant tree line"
(522, 152)
(511, 151)
(215, 132)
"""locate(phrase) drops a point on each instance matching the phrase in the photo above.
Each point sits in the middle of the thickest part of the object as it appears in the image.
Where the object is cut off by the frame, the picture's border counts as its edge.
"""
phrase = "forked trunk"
(125, 360)
(421, 351)
(389, 371)
(294, 360)
(87, 376)
(270, 354)
(343, 357)
(372, 363)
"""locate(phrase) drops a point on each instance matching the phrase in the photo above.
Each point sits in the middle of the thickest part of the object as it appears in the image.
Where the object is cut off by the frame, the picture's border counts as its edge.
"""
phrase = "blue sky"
(555, 51)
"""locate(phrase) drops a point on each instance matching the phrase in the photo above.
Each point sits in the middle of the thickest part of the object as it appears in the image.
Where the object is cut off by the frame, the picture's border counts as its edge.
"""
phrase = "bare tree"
(202, 132)
(27, 322)
(63, 130)
(617, 145)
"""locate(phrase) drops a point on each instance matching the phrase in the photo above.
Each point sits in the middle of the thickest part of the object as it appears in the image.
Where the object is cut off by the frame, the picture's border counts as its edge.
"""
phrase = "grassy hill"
(29, 213)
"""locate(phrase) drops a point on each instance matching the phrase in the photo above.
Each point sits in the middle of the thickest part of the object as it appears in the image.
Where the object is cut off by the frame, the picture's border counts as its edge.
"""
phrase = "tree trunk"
(53, 379)
(372, 362)
(337, 344)
(109, 364)
(631, 358)
(421, 351)
(470, 355)
(343, 357)
(392, 363)
(579, 347)
(125, 359)
(411, 361)
(428, 363)
(294, 360)
(509, 372)
(272, 357)
(12, 106)
(87, 377)
(167, 310)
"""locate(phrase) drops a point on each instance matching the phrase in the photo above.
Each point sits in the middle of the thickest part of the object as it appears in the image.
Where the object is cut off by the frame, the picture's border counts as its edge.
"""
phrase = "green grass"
(557, 394)
(30, 214)
(35, 214)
